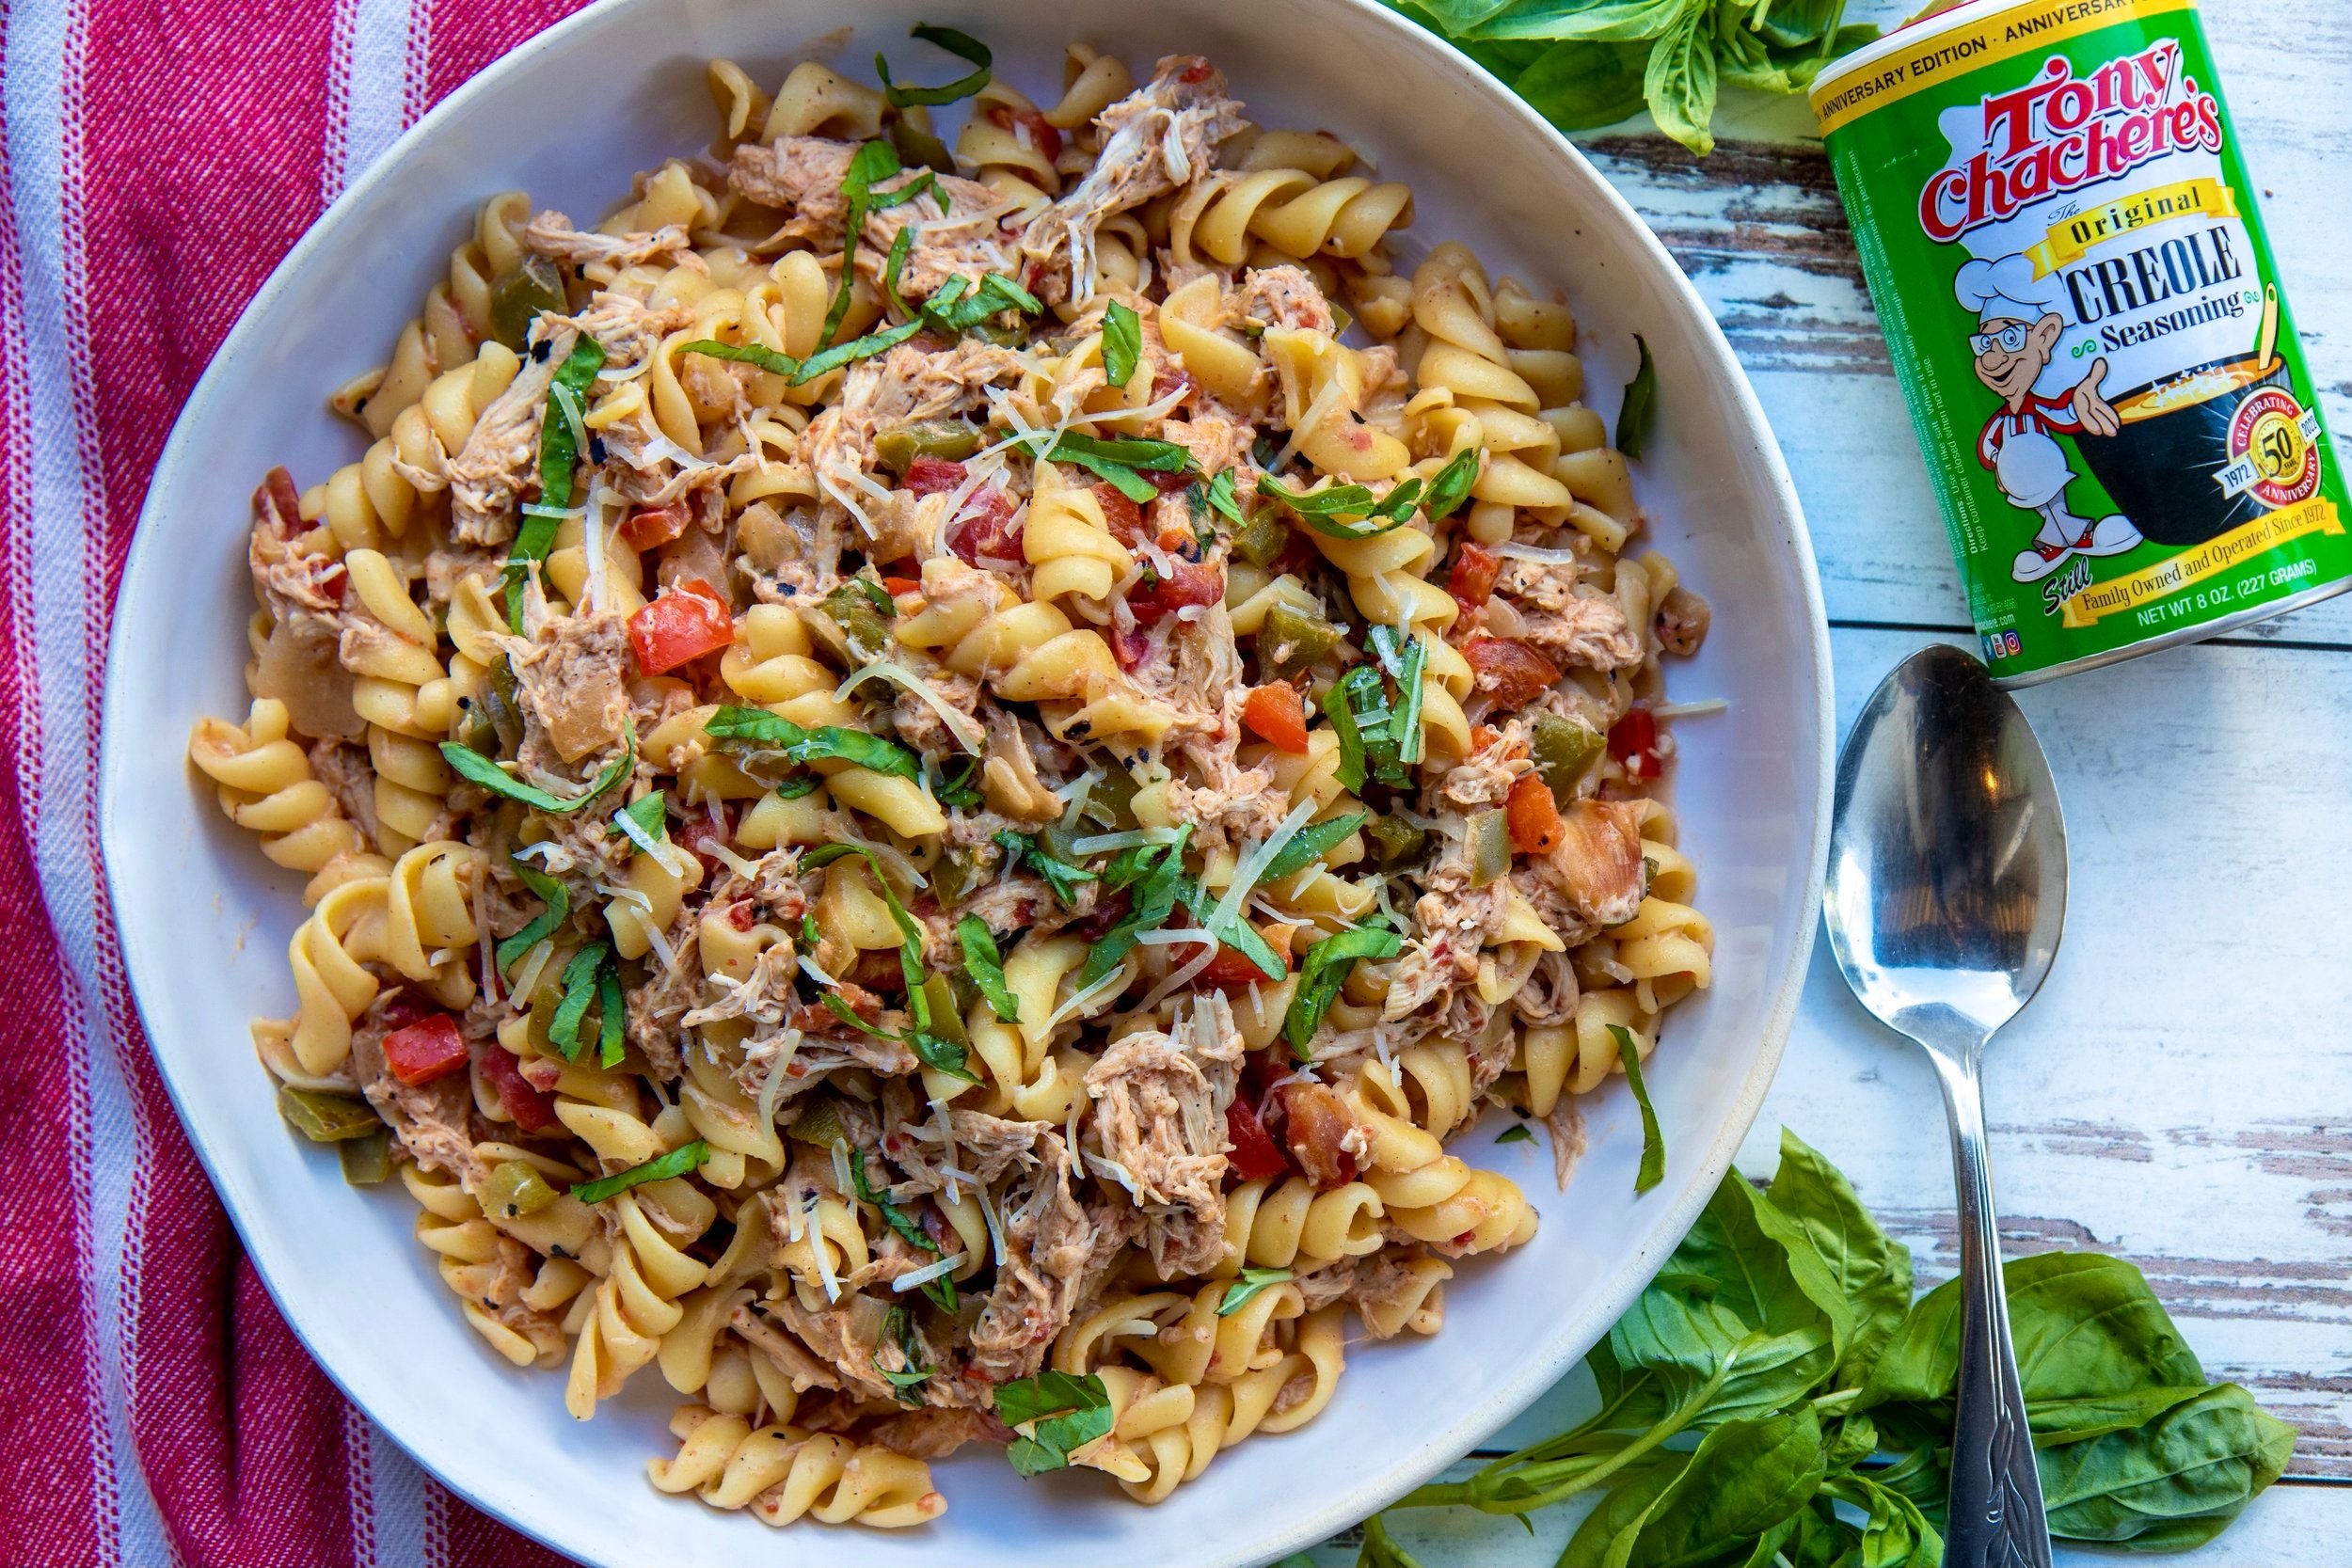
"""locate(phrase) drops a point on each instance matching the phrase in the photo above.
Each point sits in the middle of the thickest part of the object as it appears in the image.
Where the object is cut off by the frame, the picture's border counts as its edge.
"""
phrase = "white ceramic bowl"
(568, 117)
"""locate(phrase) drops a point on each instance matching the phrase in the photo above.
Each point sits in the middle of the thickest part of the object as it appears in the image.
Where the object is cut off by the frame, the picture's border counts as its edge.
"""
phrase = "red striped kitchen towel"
(157, 157)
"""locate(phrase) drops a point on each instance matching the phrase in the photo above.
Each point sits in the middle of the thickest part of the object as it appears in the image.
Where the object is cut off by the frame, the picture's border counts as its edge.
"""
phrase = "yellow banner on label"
(2144, 586)
(2068, 243)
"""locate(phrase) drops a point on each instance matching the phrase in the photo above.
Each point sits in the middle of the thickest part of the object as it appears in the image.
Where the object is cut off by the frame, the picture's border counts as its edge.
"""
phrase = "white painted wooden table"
(2181, 1093)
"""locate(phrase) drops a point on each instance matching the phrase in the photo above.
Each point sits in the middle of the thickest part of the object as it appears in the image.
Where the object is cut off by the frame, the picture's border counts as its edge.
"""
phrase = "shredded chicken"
(1160, 1116)
(551, 234)
(1574, 625)
(1155, 140)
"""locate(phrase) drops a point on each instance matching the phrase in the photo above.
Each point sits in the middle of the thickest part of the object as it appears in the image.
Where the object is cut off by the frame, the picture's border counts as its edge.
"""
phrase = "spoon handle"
(1995, 1518)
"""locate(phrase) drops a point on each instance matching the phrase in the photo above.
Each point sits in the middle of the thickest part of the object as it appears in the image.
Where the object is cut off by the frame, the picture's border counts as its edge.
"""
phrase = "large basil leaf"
(2175, 1484)
(1869, 1270)
(1680, 82)
(1745, 1478)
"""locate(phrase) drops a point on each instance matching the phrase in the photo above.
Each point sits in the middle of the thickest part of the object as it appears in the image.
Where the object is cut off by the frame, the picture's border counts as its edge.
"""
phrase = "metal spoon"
(1946, 892)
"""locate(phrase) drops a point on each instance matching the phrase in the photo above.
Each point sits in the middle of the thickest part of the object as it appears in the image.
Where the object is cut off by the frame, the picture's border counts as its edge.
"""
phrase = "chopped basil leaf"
(962, 792)
(1310, 844)
(958, 304)
(1639, 411)
(1116, 460)
(877, 595)
(1349, 703)
(911, 934)
(1321, 975)
(1123, 343)
(1238, 1293)
(1063, 1412)
(1234, 932)
(1058, 874)
(1515, 1133)
(798, 785)
(1156, 872)
(1220, 495)
(960, 44)
(987, 967)
(769, 359)
(579, 988)
(832, 1002)
(901, 244)
(827, 742)
(941, 1055)
(1653, 1170)
(650, 815)
(554, 894)
(810, 936)
(476, 768)
(684, 1158)
(1405, 732)
(559, 450)
(873, 162)
(908, 1377)
(1453, 484)
(860, 348)
(1320, 509)
(942, 1289)
(612, 1015)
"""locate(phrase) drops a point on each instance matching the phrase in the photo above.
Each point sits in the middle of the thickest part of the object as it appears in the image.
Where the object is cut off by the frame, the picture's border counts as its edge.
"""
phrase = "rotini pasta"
(929, 785)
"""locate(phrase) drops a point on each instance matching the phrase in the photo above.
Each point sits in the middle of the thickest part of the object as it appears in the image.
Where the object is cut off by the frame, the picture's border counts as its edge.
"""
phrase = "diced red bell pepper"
(894, 586)
(428, 1048)
(1532, 815)
(651, 527)
(1633, 741)
(1511, 671)
(984, 531)
(1043, 133)
(1473, 580)
(1274, 714)
(533, 1108)
(1254, 1152)
(689, 620)
(933, 476)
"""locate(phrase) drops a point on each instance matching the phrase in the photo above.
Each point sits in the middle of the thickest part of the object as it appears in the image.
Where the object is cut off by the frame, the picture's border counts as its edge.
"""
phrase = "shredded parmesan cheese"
(916, 1278)
(1545, 554)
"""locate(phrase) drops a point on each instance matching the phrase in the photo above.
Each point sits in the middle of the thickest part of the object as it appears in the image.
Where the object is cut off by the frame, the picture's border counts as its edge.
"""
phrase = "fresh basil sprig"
(1582, 64)
(906, 1380)
(1783, 1338)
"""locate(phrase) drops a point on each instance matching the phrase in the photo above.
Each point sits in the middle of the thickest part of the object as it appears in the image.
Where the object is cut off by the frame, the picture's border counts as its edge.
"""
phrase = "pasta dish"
(932, 776)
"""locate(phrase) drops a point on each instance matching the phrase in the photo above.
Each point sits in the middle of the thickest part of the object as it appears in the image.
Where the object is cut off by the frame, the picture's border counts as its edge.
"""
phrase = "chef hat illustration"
(2007, 289)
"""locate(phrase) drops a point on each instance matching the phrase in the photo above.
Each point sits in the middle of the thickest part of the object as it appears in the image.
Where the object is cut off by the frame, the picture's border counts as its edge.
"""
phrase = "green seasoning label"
(2065, 250)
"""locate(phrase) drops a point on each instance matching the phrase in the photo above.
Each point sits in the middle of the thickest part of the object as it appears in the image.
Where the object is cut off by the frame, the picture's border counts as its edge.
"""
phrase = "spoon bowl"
(1948, 861)
(1945, 895)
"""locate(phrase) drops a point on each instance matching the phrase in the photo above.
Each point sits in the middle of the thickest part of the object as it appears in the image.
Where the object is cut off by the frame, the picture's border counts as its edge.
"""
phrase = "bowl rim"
(120, 752)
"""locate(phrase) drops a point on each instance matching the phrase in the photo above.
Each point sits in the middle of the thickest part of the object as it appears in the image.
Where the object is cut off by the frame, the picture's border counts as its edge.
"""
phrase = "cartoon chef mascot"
(2016, 346)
